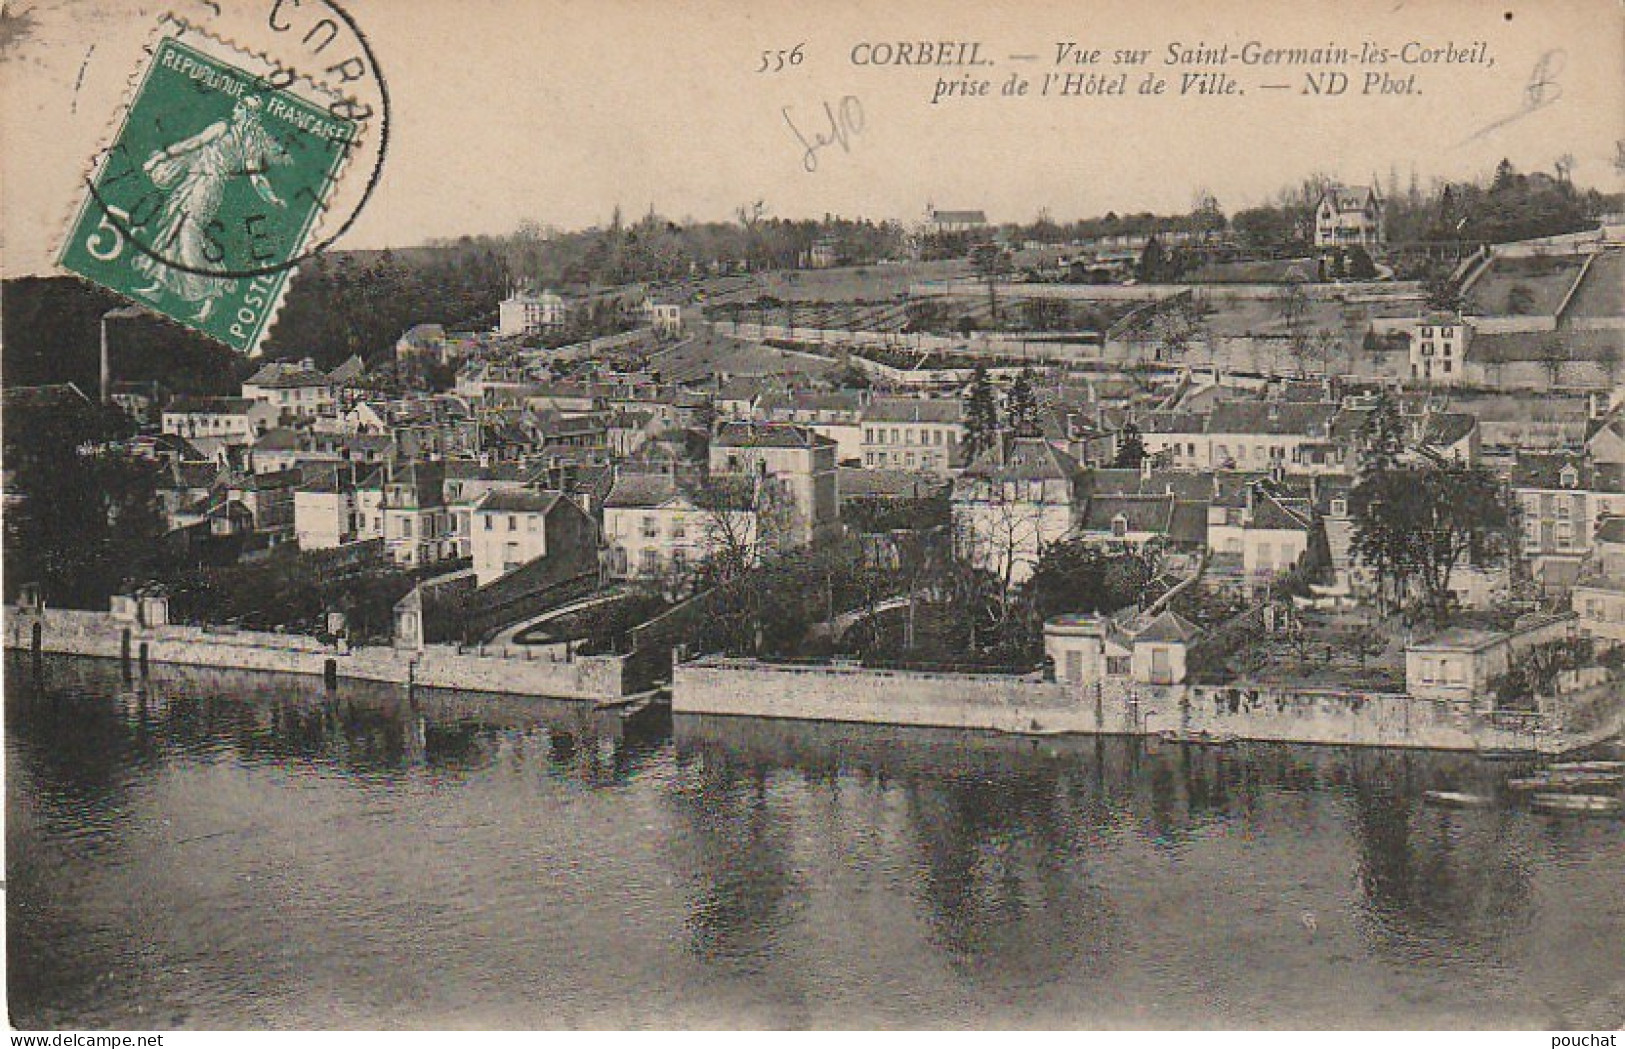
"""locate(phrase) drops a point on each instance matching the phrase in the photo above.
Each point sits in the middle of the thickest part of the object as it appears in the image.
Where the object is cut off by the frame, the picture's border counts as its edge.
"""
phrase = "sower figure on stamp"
(194, 173)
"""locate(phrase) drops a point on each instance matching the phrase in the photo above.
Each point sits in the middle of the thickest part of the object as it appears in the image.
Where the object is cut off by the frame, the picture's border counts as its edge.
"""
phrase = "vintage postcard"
(706, 514)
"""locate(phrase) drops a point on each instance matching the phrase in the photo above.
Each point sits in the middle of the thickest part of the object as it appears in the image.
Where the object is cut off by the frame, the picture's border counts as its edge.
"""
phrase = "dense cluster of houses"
(651, 453)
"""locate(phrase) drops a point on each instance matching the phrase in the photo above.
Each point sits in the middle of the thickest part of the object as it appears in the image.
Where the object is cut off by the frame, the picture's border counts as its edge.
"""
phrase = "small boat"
(1580, 804)
(1588, 766)
(1507, 754)
(1565, 780)
(1215, 739)
(1455, 799)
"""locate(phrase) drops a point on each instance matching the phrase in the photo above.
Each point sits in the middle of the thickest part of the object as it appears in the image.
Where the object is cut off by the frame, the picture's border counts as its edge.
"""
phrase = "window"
(1340, 507)
(406, 527)
(534, 522)
(649, 562)
(1119, 666)
(1120, 526)
(679, 530)
(489, 521)
(513, 523)
(651, 527)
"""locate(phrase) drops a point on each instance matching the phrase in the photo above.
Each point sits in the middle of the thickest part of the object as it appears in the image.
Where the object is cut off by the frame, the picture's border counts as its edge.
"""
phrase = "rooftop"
(518, 502)
(769, 435)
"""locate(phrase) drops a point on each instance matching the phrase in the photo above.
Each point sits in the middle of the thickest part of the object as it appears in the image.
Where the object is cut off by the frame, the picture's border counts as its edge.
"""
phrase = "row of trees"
(955, 613)
(1505, 205)
(984, 420)
(83, 519)
(655, 248)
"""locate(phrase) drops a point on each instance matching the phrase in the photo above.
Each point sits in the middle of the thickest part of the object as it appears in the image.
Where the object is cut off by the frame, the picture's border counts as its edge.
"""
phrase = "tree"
(990, 262)
(926, 315)
(1553, 355)
(1381, 437)
(1174, 326)
(1292, 307)
(1564, 166)
(1021, 406)
(1442, 292)
(1075, 576)
(1130, 447)
(1520, 300)
(981, 414)
(1609, 359)
(1416, 524)
(1324, 345)
(853, 377)
(82, 518)
(1154, 265)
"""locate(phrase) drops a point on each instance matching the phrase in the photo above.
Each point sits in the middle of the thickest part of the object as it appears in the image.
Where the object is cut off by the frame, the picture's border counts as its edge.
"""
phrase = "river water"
(227, 850)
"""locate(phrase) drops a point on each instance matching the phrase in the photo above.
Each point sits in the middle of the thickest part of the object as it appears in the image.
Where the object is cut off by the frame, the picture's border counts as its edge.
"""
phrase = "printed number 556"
(776, 61)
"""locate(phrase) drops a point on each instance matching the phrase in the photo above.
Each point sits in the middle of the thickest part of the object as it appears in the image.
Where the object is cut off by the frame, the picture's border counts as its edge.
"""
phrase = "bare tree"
(1325, 344)
(1564, 166)
(1552, 357)
(1000, 529)
(1292, 307)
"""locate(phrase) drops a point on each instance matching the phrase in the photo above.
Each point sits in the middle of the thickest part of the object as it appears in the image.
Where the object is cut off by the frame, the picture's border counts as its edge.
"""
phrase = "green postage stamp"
(213, 186)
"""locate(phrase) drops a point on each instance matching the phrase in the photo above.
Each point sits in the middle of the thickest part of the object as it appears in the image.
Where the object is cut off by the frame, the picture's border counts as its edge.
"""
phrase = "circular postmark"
(255, 137)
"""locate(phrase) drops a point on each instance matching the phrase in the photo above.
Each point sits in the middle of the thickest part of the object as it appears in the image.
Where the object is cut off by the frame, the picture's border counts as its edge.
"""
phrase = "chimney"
(107, 368)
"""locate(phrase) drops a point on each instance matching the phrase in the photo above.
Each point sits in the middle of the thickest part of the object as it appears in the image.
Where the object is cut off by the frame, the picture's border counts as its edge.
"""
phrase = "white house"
(1090, 650)
(1265, 535)
(1439, 349)
(1348, 215)
(912, 433)
(799, 461)
(232, 420)
(1016, 498)
(666, 318)
(654, 523)
(295, 390)
(528, 312)
(511, 529)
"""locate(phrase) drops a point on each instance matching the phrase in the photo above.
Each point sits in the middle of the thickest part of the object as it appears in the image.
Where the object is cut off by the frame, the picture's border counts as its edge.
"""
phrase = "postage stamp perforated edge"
(251, 63)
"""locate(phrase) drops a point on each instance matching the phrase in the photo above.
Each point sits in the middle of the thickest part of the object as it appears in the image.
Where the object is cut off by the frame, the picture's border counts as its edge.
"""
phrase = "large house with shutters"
(1017, 497)
(1347, 216)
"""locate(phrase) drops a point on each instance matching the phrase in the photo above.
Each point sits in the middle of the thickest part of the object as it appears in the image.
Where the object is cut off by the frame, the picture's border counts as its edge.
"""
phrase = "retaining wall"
(894, 697)
(1027, 705)
(435, 666)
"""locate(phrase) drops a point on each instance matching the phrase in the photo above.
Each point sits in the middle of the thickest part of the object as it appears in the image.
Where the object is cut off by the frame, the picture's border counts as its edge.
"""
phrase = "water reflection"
(558, 867)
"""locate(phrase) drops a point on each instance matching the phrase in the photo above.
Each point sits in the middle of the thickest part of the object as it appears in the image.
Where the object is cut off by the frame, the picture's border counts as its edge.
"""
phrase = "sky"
(556, 111)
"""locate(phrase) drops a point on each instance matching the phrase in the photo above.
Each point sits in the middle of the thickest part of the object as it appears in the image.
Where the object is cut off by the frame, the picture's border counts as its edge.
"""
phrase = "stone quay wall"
(894, 697)
(597, 678)
(1032, 706)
